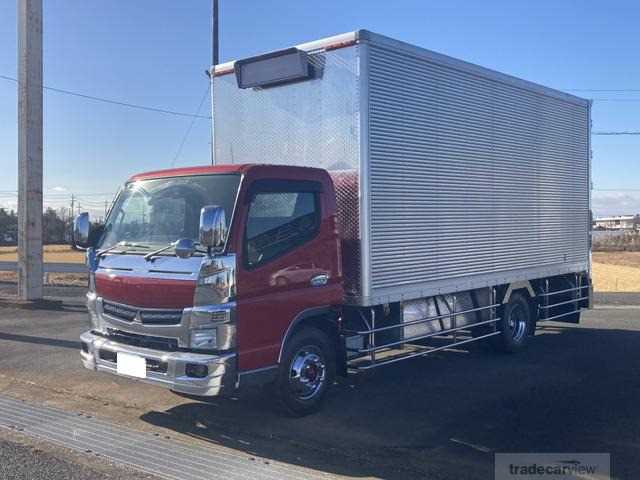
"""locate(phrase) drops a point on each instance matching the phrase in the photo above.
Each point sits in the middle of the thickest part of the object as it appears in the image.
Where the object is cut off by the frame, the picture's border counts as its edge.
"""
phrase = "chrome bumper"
(222, 375)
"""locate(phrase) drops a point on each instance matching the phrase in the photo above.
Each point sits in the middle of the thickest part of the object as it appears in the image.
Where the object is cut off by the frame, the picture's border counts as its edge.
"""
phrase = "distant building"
(618, 222)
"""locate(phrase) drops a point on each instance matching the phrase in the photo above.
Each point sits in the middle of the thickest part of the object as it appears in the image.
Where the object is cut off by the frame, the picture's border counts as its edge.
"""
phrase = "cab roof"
(189, 171)
(212, 170)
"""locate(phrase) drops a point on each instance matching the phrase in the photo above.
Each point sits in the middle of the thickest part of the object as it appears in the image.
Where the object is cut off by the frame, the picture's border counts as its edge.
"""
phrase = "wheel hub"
(517, 323)
(307, 373)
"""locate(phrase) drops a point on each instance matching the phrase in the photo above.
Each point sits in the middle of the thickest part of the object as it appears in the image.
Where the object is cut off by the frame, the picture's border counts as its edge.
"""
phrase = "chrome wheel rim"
(517, 323)
(307, 373)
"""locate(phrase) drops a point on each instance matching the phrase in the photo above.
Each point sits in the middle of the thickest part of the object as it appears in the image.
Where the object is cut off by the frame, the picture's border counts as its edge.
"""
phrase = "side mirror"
(213, 227)
(81, 231)
(185, 248)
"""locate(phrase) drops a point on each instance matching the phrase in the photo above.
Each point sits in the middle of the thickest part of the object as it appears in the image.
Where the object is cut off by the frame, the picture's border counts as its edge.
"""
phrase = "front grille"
(121, 312)
(127, 313)
(144, 341)
(168, 317)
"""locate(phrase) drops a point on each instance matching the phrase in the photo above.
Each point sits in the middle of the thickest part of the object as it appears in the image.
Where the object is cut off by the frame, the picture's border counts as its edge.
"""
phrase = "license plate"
(131, 365)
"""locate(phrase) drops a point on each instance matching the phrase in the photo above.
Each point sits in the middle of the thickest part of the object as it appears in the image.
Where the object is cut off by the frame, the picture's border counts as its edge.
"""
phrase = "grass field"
(616, 271)
(612, 271)
(52, 253)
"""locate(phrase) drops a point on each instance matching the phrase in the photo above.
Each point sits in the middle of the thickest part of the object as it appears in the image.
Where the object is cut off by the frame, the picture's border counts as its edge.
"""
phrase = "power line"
(113, 102)
(616, 99)
(617, 133)
(66, 194)
(619, 190)
(184, 114)
(603, 90)
(193, 121)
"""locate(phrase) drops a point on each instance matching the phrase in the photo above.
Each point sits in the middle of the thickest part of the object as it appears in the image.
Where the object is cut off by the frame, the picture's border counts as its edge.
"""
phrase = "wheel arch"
(323, 318)
(524, 285)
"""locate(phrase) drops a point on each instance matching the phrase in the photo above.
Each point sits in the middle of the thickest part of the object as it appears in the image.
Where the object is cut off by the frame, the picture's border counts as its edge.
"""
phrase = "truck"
(371, 201)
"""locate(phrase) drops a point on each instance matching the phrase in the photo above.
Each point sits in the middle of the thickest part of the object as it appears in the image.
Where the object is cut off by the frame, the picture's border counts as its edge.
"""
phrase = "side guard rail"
(367, 355)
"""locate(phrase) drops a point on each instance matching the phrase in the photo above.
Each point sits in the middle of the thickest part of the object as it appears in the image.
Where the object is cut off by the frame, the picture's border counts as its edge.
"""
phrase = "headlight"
(203, 318)
(212, 327)
(204, 339)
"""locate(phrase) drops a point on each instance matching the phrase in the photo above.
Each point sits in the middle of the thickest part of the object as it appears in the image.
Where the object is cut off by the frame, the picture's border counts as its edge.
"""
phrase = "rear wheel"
(515, 325)
(306, 372)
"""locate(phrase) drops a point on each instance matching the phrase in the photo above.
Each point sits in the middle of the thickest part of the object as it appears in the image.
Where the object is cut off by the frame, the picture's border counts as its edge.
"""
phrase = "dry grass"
(52, 253)
(625, 259)
(616, 271)
(58, 279)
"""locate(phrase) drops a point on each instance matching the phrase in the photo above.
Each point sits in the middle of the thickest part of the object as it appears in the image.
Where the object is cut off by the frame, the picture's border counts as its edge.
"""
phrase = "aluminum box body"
(449, 176)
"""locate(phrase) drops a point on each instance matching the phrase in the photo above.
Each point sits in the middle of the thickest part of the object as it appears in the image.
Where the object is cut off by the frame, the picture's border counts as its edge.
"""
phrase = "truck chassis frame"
(547, 304)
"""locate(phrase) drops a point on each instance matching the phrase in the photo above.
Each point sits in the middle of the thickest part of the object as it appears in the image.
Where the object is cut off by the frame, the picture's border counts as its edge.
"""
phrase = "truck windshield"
(152, 213)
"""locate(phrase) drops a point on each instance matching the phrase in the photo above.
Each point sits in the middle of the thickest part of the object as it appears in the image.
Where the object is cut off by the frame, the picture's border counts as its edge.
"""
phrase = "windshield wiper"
(100, 253)
(149, 256)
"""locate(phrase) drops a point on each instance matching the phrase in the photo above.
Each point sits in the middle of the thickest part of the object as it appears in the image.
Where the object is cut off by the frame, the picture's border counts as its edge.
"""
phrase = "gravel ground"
(24, 458)
(612, 298)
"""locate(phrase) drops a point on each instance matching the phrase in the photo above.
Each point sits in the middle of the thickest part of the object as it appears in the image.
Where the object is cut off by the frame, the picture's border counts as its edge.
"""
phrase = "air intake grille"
(144, 341)
(128, 313)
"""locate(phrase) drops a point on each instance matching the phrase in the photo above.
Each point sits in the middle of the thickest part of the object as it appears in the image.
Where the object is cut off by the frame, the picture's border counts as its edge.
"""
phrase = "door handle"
(319, 280)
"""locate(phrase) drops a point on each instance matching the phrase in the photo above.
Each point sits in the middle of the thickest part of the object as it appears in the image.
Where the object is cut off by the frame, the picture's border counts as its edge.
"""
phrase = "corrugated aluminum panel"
(465, 177)
(473, 178)
(315, 123)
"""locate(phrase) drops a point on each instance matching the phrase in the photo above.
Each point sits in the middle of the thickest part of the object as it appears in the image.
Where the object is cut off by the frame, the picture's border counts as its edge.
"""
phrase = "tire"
(307, 370)
(515, 325)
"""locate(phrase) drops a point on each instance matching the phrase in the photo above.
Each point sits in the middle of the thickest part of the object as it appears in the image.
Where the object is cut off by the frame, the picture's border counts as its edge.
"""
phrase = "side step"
(391, 355)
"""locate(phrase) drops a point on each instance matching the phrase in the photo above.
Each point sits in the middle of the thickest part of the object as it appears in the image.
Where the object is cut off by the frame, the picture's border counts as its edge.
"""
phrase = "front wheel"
(515, 325)
(306, 372)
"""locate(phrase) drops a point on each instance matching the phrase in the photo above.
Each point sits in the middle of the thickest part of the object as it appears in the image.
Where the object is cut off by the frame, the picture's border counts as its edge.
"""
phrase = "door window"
(278, 222)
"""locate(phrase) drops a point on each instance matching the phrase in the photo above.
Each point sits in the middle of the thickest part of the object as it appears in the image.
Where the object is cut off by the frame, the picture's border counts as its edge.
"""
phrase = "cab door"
(288, 263)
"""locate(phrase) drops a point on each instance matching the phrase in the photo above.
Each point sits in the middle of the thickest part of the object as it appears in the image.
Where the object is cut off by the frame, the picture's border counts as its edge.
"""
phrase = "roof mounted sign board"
(274, 68)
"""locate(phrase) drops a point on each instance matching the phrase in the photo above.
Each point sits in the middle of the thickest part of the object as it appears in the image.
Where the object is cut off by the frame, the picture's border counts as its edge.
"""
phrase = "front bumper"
(99, 354)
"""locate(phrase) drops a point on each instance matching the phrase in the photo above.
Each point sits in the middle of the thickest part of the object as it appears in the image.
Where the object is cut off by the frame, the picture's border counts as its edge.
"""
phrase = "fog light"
(204, 339)
(196, 370)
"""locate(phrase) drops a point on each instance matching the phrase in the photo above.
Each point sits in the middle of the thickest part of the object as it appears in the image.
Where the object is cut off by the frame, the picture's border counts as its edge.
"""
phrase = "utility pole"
(214, 61)
(214, 33)
(30, 268)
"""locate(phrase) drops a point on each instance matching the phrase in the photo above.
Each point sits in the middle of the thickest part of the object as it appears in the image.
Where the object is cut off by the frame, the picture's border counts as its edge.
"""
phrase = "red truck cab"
(206, 321)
